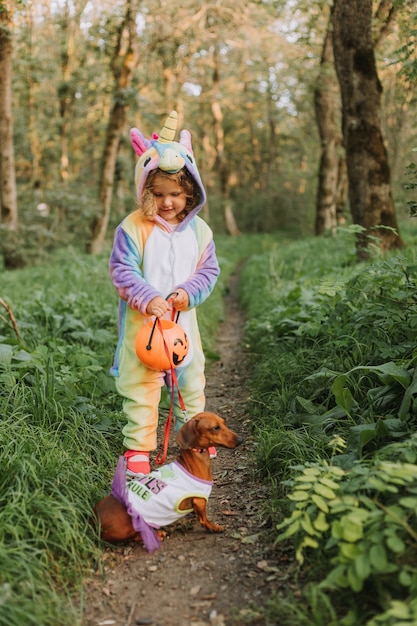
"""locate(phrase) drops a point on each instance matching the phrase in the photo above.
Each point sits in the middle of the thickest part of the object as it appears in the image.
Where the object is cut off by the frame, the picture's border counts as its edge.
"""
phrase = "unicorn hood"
(169, 155)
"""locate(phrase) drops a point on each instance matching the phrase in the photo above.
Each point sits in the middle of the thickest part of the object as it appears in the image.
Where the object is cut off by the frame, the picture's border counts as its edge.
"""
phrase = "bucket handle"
(149, 345)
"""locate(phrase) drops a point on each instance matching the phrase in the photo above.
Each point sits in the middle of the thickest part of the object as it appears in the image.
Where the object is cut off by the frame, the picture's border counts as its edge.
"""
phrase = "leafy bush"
(333, 399)
(334, 351)
(363, 521)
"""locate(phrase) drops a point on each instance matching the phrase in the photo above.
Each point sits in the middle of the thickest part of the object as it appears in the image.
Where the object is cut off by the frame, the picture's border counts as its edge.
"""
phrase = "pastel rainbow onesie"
(151, 258)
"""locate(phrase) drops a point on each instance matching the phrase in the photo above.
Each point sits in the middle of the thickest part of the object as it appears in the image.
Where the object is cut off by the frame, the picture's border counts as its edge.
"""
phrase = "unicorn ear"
(185, 140)
(139, 142)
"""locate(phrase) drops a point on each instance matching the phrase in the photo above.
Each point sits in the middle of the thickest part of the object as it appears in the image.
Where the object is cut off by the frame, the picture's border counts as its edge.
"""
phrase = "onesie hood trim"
(161, 151)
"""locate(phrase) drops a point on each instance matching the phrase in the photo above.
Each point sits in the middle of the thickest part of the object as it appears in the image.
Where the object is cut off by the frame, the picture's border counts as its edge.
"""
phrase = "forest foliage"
(242, 77)
(334, 407)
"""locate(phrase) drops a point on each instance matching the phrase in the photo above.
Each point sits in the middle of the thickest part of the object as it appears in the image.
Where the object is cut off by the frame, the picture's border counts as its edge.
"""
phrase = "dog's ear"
(188, 435)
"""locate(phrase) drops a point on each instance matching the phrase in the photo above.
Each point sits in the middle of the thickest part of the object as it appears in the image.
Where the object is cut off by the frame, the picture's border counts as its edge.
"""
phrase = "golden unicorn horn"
(169, 129)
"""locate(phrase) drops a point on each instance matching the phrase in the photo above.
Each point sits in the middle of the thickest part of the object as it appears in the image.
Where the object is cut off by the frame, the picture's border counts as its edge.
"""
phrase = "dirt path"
(198, 578)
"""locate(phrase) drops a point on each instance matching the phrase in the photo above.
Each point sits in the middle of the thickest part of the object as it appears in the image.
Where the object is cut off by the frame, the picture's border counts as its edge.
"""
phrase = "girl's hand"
(180, 300)
(158, 306)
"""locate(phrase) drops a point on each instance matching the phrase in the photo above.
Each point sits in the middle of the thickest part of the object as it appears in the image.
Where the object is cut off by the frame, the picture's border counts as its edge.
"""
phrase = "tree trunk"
(70, 17)
(327, 105)
(8, 197)
(101, 221)
(221, 167)
(124, 62)
(33, 135)
(368, 170)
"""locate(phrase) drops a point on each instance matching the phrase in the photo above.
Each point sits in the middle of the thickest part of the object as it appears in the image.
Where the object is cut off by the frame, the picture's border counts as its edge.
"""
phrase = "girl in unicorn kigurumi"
(162, 250)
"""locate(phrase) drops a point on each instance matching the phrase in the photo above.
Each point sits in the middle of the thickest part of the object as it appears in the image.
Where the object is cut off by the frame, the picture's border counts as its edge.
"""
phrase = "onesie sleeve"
(201, 283)
(126, 273)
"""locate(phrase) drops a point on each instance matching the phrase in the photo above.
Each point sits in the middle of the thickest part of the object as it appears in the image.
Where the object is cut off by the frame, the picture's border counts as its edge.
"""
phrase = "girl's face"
(170, 198)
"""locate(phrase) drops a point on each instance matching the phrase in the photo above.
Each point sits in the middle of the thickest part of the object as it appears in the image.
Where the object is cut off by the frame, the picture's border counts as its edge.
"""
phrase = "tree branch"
(12, 320)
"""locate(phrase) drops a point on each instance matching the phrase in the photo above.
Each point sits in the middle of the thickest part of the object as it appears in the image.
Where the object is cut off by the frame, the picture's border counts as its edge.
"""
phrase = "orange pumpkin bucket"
(161, 344)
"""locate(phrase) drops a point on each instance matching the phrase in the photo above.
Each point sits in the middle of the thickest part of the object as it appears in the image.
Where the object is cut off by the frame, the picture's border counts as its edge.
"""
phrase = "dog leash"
(162, 454)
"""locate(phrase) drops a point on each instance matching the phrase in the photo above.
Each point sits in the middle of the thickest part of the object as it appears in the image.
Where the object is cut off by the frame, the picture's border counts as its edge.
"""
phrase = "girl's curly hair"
(182, 178)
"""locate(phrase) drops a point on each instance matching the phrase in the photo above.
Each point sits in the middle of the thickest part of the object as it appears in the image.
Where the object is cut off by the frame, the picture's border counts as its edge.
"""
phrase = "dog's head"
(204, 430)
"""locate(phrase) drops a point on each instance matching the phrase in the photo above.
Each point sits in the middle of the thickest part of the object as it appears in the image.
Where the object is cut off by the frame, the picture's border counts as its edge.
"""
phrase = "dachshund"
(138, 507)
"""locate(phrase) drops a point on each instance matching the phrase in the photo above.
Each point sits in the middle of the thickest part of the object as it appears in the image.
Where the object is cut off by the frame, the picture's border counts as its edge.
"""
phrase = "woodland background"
(303, 118)
(255, 82)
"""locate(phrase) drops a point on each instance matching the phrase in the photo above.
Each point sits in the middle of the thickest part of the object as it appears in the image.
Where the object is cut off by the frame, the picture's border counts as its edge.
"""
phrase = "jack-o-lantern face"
(180, 350)
(162, 346)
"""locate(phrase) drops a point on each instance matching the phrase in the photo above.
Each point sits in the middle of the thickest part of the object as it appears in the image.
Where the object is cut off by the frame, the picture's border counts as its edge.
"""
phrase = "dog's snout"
(238, 441)
(231, 439)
